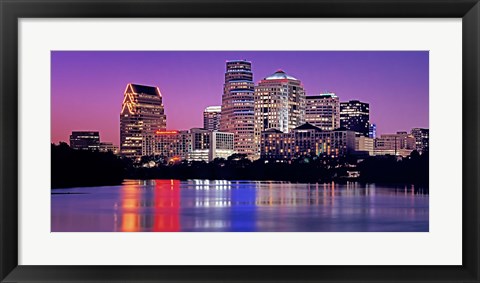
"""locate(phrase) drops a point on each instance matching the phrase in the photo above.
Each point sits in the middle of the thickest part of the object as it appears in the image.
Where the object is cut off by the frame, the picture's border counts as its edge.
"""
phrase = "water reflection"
(220, 205)
(149, 206)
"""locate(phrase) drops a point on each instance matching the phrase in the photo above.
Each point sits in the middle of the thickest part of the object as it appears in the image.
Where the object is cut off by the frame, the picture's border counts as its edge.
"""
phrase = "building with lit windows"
(364, 144)
(372, 132)
(221, 145)
(211, 118)
(238, 106)
(85, 140)
(306, 140)
(141, 116)
(200, 145)
(399, 144)
(275, 144)
(108, 147)
(355, 116)
(421, 136)
(279, 104)
(172, 145)
(323, 111)
(194, 145)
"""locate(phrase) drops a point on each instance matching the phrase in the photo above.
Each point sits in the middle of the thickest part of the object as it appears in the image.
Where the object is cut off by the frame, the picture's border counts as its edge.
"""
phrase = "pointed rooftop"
(307, 126)
(273, 131)
(144, 89)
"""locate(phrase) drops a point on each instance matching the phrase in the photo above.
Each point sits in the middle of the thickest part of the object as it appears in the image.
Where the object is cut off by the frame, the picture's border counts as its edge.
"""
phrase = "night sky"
(88, 86)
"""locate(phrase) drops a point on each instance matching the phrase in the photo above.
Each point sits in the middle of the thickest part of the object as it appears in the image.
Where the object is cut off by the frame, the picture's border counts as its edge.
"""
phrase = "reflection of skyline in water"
(154, 208)
(220, 205)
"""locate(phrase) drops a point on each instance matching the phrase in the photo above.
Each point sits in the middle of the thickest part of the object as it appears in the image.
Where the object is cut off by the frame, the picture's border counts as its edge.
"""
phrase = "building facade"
(238, 106)
(399, 144)
(323, 111)
(275, 144)
(421, 136)
(279, 104)
(200, 145)
(172, 145)
(372, 132)
(108, 147)
(211, 118)
(141, 116)
(194, 145)
(364, 144)
(306, 140)
(221, 145)
(85, 140)
(355, 116)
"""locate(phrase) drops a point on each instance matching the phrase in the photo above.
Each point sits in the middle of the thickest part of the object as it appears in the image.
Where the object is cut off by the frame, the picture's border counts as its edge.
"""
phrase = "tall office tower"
(323, 111)
(141, 116)
(238, 107)
(355, 116)
(421, 139)
(372, 132)
(85, 140)
(279, 104)
(211, 118)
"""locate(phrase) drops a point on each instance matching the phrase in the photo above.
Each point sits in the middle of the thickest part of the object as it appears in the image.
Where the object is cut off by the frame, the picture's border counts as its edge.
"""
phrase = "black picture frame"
(12, 10)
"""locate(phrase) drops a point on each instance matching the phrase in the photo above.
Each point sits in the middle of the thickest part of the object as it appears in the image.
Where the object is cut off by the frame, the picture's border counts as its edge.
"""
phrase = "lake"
(240, 206)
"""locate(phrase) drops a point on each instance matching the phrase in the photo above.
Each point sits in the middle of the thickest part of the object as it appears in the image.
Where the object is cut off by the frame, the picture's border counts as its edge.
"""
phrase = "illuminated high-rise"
(279, 104)
(141, 116)
(238, 106)
(211, 118)
(323, 111)
(355, 116)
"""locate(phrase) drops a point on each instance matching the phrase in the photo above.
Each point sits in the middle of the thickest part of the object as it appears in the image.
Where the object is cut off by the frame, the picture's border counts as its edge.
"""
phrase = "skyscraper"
(238, 107)
(279, 104)
(141, 116)
(355, 116)
(323, 111)
(211, 118)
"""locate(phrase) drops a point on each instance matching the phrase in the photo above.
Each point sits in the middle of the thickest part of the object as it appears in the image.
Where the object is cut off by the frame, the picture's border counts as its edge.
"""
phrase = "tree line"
(86, 168)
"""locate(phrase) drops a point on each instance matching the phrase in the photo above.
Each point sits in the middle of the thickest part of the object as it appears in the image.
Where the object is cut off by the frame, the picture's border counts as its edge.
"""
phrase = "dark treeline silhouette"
(72, 168)
(387, 169)
(79, 168)
(239, 167)
(412, 169)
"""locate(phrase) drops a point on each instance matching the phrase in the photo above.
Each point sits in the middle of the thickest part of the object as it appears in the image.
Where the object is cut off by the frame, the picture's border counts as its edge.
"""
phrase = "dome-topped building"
(279, 104)
(280, 75)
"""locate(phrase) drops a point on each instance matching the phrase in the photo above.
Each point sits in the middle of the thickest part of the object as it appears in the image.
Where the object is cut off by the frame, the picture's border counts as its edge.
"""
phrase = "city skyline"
(395, 84)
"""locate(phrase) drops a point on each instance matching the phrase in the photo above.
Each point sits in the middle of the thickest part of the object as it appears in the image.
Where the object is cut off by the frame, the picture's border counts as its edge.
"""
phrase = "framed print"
(234, 141)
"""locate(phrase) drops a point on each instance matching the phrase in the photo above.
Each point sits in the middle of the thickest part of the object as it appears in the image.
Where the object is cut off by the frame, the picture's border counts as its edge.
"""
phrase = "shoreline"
(339, 181)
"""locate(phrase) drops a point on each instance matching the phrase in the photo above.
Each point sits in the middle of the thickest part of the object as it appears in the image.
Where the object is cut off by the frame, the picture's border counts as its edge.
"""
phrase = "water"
(239, 206)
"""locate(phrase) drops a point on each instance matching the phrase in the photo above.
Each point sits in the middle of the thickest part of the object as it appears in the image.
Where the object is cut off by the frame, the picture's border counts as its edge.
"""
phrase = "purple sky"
(88, 86)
